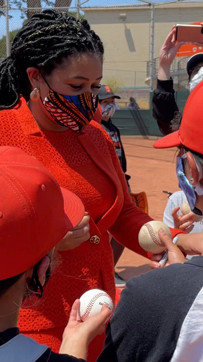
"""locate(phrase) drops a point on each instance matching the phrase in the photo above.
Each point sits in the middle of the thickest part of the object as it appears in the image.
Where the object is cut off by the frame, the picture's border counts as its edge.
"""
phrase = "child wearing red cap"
(30, 207)
(163, 318)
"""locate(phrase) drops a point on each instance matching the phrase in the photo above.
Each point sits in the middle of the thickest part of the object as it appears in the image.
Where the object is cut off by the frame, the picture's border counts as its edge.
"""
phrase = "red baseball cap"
(190, 133)
(35, 214)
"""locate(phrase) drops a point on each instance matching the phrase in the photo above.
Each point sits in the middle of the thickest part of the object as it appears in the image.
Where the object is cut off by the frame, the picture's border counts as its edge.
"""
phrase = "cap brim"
(194, 60)
(169, 141)
(101, 98)
(74, 208)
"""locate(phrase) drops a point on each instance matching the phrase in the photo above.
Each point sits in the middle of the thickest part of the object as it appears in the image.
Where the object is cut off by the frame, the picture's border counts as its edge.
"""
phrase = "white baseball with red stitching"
(149, 239)
(91, 303)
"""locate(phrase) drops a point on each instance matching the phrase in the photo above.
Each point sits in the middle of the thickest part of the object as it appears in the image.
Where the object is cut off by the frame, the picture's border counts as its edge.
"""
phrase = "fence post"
(7, 28)
(78, 9)
(152, 47)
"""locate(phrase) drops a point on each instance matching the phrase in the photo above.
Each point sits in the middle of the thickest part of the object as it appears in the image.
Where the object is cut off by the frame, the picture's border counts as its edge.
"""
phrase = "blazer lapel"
(109, 169)
(98, 157)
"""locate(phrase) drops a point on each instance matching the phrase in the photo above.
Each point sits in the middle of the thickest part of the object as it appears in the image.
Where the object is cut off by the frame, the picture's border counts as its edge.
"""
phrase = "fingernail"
(161, 231)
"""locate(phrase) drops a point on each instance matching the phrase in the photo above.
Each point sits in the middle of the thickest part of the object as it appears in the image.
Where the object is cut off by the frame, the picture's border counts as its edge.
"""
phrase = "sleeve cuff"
(175, 232)
(165, 85)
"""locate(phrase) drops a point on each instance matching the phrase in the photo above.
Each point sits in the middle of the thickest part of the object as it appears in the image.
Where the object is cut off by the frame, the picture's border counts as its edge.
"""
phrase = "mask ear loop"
(197, 163)
(44, 78)
(199, 166)
(199, 170)
(198, 188)
(46, 84)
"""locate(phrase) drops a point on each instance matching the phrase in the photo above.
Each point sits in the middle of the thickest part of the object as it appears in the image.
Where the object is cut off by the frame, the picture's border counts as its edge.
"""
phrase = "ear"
(42, 269)
(34, 76)
(193, 169)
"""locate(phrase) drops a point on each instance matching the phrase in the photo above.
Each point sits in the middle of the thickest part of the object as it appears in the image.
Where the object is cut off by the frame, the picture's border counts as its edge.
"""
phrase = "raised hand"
(167, 55)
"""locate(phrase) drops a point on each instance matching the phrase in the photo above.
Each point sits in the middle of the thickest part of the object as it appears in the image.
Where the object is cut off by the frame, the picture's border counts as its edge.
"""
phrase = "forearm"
(164, 106)
(74, 347)
(127, 227)
(191, 243)
(164, 72)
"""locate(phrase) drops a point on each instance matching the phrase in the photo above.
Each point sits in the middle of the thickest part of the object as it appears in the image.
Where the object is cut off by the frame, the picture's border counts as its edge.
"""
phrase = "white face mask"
(196, 79)
(108, 110)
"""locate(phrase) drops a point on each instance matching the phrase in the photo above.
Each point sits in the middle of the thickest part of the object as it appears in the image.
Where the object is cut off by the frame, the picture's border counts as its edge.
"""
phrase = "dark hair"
(43, 42)
(132, 100)
(34, 285)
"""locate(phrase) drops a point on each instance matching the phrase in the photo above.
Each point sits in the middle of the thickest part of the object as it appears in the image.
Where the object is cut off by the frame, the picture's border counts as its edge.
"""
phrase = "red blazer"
(78, 161)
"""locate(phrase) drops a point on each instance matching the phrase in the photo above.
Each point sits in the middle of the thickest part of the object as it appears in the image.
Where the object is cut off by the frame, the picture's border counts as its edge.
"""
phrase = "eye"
(77, 87)
(96, 86)
(95, 89)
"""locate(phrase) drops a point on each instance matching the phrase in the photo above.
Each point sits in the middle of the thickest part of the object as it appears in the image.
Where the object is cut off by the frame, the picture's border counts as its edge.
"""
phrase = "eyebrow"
(83, 78)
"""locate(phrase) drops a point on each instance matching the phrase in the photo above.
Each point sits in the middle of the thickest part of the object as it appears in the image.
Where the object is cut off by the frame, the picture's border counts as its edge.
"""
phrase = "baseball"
(149, 239)
(91, 303)
(185, 209)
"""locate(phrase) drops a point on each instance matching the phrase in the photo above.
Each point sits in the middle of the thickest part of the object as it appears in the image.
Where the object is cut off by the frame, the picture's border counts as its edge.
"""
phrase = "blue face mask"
(186, 186)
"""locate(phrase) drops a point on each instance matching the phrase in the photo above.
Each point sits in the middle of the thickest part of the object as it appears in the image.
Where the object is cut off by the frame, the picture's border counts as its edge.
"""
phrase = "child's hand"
(183, 222)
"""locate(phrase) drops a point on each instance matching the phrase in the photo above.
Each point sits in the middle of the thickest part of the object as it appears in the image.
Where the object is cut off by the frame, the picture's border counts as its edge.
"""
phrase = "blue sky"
(16, 21)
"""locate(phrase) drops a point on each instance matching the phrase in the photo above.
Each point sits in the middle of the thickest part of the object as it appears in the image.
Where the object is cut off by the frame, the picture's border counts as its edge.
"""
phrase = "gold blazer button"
(95, 239)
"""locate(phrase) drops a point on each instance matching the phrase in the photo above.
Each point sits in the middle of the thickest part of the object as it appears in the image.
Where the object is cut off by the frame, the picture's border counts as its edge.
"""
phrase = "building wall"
(127, 43)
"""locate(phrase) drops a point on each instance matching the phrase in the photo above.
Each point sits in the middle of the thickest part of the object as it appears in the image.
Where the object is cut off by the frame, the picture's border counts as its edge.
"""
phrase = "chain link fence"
(13, 14)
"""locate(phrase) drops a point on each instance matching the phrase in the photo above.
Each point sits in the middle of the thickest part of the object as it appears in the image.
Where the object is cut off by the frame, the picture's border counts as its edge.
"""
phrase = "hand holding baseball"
(77, 236)
(77, 334)
(149, 239)
(174, 254)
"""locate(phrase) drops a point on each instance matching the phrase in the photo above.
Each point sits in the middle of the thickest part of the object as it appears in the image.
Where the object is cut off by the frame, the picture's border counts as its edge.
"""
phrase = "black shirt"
(114, 134)
(159, 317)
(164, 106)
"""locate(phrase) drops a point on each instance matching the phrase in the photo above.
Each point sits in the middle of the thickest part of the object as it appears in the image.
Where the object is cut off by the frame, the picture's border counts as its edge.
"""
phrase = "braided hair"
(43, 42)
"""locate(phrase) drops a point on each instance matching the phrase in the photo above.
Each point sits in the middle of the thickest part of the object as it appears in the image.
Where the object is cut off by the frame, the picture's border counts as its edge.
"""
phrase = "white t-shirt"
(177, 199)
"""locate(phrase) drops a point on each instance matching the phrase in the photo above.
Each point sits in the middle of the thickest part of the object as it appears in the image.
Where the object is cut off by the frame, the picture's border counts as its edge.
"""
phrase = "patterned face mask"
(73, 112)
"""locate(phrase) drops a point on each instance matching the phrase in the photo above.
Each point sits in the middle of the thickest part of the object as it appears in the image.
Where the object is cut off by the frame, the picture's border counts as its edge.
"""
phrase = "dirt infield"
(152, 171)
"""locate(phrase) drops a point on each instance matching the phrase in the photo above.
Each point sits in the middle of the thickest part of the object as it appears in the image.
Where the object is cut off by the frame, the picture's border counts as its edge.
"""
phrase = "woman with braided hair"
(48, 96)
